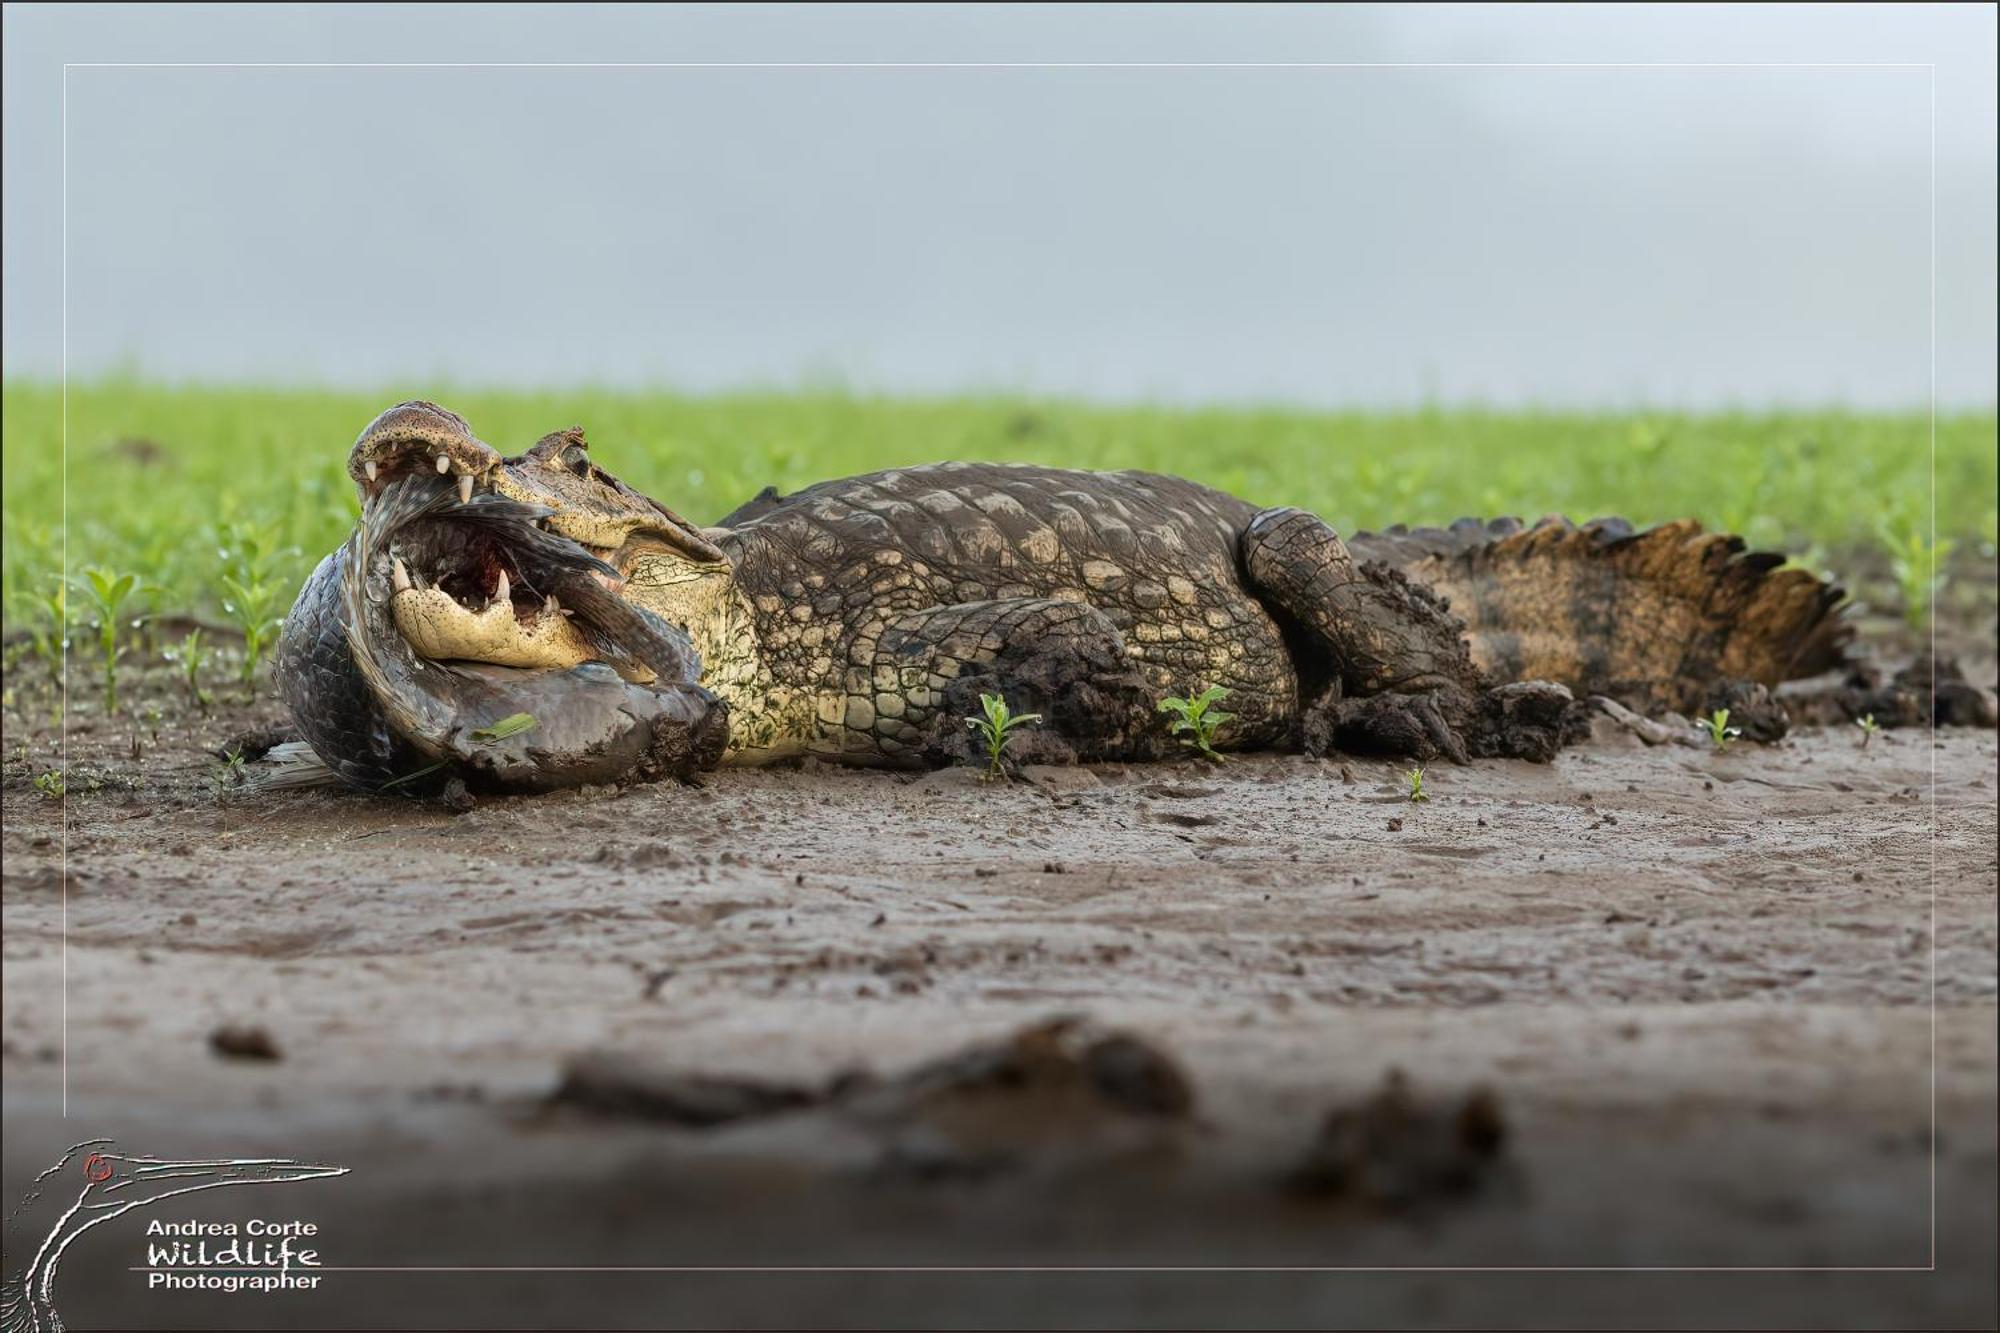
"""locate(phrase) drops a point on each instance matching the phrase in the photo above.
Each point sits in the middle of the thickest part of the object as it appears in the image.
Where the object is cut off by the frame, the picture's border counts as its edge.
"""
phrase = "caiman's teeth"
(440, 627)
(370, 468)
(443, 464)
(402, 575)
(465, 489)
(552, 607)
(502, 591)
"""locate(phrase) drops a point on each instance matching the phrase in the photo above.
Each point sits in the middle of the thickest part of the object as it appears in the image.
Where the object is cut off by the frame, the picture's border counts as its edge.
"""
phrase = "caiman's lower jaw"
(442, 628)
(457, 616)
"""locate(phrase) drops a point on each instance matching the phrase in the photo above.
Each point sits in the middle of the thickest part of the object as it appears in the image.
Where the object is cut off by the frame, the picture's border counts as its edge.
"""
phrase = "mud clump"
(1533, 720)
(1396, 1153)
(1054, 1093)
(1927, 691)
(243, 1041)
(253, 743)
(622, 1085)
(1052, 1096)
(1062, 1097)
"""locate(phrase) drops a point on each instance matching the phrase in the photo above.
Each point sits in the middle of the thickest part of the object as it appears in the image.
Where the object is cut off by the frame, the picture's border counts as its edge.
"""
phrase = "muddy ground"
(1699, 985)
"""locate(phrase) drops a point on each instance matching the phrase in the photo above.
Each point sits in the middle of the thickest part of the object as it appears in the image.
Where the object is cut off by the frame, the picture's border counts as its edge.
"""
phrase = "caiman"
(533, 622)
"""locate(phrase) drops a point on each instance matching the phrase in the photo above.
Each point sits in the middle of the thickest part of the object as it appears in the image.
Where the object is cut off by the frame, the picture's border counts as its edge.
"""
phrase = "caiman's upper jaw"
(412, 437)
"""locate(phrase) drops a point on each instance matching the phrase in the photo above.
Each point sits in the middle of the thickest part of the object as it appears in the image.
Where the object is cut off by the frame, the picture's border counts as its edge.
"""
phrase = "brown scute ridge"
(1659, 615)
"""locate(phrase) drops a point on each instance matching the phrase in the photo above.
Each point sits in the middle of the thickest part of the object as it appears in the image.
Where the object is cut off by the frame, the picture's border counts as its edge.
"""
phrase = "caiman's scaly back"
(1658, 615)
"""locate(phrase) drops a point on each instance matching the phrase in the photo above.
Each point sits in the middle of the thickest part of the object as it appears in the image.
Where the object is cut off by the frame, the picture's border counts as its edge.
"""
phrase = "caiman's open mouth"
(462, 594)
(479, 577)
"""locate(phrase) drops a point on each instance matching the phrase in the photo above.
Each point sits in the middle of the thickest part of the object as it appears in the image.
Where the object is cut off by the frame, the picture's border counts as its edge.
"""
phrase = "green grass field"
(184, 486)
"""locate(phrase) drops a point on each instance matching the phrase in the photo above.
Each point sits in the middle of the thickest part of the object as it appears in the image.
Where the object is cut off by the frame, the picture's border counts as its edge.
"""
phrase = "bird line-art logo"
(91, 1185)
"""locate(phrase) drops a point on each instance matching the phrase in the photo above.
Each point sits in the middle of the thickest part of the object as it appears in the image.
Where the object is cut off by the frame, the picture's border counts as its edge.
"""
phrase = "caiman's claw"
(1441, 735)
(1398, 724)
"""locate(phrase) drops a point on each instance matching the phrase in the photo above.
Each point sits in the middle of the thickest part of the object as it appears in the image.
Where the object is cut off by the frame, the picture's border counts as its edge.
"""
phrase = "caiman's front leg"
(1403, 680)
(1063, 660)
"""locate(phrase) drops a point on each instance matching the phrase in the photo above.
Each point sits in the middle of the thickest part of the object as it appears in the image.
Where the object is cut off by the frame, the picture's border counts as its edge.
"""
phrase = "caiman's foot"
(1412, 725)
(1062, 661)
(1530, 720)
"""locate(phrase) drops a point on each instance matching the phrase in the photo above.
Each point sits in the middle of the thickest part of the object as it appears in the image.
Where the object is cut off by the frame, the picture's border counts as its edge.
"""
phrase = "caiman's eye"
(576, 461)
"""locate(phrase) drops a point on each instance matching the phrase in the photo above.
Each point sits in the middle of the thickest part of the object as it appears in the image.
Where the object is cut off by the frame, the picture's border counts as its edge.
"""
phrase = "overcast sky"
(1367, 236)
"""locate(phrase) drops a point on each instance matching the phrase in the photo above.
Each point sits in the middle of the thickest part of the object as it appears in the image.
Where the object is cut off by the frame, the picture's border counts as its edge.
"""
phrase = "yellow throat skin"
(767, 722)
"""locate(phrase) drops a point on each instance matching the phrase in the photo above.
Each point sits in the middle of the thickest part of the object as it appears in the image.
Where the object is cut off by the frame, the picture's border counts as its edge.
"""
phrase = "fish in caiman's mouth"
(475, 624)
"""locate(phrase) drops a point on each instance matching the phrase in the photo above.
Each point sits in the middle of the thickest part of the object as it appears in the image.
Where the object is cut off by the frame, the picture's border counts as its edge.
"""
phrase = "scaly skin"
(858, 620)
(821, 576)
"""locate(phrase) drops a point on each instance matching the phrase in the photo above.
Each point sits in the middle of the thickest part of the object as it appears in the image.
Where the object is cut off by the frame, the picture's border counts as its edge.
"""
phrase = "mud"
(1697, 986)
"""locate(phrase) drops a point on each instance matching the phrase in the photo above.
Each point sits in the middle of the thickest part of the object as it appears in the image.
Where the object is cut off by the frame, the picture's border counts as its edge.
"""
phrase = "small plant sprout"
(48, 635)
(49, 630)
(192, 655)
(108, 591)
(50, 785)
(230, 772)
(1716, 727)
(1918, 562)
(1417, 792)
(254, 590)
(1197, 720)
(1869, 726)
(996, 729)
(255, 609)
(512, 725)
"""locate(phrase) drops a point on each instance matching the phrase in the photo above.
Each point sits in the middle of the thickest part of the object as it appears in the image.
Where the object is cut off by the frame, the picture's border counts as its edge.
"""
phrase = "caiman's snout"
(413, 436)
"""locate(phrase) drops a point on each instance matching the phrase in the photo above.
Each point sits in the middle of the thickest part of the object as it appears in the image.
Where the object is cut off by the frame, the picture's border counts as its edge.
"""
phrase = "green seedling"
(1197, 720)
(192, 655)
(48, 637)
(255, 590)
(1918, 564)
(108, 591)
(996, 729)
(49, 631)
(1869, 726)
(50, 785)
(229, 772)
(253, 606)
(1716, 727)
(1417, 792)
(512, 725)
